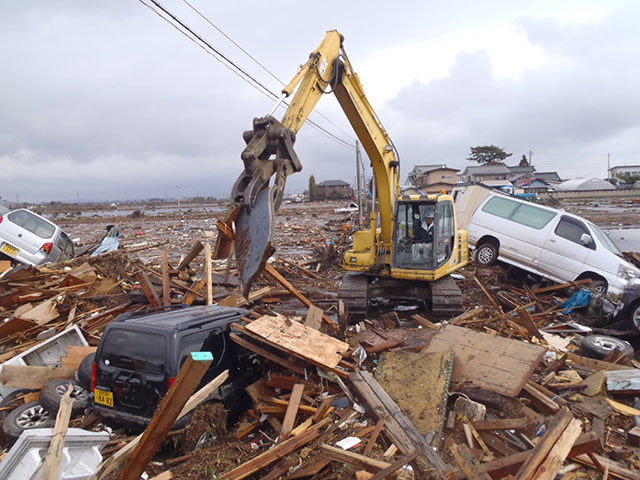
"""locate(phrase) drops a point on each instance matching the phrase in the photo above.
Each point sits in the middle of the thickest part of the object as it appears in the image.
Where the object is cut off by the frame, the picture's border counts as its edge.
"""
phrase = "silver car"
(31, 239)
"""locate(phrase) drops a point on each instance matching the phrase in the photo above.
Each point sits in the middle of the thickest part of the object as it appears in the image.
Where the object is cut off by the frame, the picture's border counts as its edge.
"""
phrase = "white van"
(542, 240)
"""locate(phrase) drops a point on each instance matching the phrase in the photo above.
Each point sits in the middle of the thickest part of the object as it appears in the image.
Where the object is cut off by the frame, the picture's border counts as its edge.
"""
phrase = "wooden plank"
(549, 469)
(374, 436)
(15, 325)
(193, 253)
(166, 475)
(493, 301)
(468, 315)
(314, 318)
(266, 354)
(491, 362)
(352, 458)
(561, 286)
(166, 287)
(466, 461)
(292, 444)
(166, 414)
(541, 401)
(615, 469)
(75, 355)
(303, 341)
(273, 273)
(501, 424)
(555, 429)
(397, 465)
(423, 321)
(42, 313)
(587, 442)
(292, 411)
(324, 407)
(399, 428)
(53, 459)
(148, 289)
(594, 364)
(207, 265)
(197, 286)
(26, 376)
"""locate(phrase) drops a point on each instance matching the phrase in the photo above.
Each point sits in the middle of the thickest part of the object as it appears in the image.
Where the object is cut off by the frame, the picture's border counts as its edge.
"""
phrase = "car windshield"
(605, 240)
(32, 223)
(134, 350)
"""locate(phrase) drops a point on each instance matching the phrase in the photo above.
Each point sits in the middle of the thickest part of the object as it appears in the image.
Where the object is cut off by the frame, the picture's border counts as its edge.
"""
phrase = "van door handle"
(552, 240)
(20, 235)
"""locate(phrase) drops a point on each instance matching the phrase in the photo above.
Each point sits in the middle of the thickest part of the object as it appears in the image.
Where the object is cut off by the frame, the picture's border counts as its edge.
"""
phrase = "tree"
(484, 154)
(313, 189)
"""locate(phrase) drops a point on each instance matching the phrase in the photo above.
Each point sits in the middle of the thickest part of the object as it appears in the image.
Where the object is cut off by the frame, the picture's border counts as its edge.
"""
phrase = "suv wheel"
(25, 417)
(53, 391)
(486, 254)
(599, 346)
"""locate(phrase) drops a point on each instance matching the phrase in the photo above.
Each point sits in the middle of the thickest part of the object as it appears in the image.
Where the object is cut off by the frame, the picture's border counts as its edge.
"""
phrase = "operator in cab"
(424, 231)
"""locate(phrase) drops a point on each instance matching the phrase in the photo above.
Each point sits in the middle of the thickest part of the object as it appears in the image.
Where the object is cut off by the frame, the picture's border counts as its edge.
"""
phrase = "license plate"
(13, 251)
(103, 397)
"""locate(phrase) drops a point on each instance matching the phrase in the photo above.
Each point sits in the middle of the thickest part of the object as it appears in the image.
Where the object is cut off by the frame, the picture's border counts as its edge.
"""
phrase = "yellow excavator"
(413, 242)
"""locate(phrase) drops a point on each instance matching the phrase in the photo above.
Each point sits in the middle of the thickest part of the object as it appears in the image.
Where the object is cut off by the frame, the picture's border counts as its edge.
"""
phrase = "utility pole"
(530, 155)
(608, 165)
(359, 182)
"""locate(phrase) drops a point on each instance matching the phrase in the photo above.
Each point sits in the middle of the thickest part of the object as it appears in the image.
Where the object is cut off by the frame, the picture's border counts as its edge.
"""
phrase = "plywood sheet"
(419, 383)
(299, 339)
(488, 361)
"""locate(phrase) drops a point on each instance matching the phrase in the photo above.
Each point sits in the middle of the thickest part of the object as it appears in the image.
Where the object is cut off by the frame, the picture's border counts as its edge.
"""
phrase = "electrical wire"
(206, 19)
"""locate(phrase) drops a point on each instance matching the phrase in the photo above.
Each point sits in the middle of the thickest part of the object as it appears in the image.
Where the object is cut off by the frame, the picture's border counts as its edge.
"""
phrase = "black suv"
(140, 355)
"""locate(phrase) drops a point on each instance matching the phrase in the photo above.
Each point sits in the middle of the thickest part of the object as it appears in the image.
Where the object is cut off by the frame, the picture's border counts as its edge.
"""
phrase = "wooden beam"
(423, 321)
(314, 318)
(292, 444)
(552, 464)
(561, 286)
(374, 436)
(197, 286)
(397, 465)
(166, 288)
(148, 289)
(193, 253)
(466, 461)
(587, 442)
(352, 458)
(555, 429)
(273, 273)
(53, 459)
(292, 411)
(187, 380)
(493, 301)
(540, 400)
(207, 264)
(501, 424)
(27, 376)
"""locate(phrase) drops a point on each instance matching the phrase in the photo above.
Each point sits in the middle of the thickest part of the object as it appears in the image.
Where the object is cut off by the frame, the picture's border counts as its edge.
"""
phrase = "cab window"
(573, 230)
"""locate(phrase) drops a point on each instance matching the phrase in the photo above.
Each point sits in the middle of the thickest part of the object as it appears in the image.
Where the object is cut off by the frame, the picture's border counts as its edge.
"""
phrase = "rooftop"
(333, 183)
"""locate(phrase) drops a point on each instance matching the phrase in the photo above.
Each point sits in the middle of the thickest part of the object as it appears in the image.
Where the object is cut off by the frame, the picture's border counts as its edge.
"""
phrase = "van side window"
(572, 230)
(532, 216)
(501, 207)
(32, 223)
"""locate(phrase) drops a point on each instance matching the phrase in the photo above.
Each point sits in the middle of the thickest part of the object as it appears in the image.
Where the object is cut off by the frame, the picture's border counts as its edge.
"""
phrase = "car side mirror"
(586, 239)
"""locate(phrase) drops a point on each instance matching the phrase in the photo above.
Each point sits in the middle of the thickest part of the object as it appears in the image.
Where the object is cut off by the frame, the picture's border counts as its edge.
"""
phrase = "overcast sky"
(104, 100)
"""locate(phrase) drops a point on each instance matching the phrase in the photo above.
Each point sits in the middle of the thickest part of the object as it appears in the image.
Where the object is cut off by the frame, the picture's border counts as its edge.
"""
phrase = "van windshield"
(605, 240)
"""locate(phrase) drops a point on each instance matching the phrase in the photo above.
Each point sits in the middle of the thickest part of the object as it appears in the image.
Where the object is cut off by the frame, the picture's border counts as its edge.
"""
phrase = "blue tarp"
(109, 243)
(579, 299)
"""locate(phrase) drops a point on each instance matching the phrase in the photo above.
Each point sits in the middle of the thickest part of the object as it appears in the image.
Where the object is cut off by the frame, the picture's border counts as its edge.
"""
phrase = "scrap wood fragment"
(295, 338)
(424, 321)
(467, 316)
(264, 353)
(501, 424)
(397, 465)
(586, 443)
(493, 301)
(466, 461)
(148, 289)
(273, 273)
(53, 458)
(540, 452)
(542, 402)
(550, 467)
(357, 460)
(166, 414)
(111, 464)
(399, 428)
(593, 364)
(193, 253)
(561, 286)
(292, 411)
(615, 469)
(292, 444)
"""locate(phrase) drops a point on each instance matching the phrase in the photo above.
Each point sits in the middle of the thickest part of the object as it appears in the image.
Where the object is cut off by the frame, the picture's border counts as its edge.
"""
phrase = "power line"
(220, 57)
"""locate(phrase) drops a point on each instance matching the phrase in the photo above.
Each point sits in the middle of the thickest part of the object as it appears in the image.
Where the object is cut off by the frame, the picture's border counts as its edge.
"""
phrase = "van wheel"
(486, 255)
(25, 417)
(599, 346)
(599, 288)
(634, 316)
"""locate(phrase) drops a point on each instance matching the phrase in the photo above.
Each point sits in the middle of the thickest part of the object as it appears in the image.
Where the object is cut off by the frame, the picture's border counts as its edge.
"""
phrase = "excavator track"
(446, 298)
(443, 297)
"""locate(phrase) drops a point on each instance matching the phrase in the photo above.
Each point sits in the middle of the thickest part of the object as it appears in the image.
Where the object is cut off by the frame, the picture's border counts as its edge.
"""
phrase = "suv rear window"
(501, 207)
(522, 213)
(135, 350)
(32, 223)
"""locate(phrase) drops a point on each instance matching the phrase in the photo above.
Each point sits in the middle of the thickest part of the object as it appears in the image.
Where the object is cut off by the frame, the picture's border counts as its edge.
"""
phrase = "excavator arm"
(269, 152)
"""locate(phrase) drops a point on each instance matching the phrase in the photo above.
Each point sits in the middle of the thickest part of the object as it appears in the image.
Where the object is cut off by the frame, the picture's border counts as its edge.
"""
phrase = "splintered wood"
(303, 341)
(488, 361)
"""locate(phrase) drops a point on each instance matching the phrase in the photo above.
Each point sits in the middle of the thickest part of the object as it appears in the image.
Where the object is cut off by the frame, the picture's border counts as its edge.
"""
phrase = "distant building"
(585, 184)
(625, 170)
(483, 173)
(549, 177)
(433, 178)
(532, 184)
(522, 169)
(333, 189)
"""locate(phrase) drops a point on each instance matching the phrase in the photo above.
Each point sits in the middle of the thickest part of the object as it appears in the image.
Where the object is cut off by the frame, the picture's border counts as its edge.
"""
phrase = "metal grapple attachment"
(254, 202)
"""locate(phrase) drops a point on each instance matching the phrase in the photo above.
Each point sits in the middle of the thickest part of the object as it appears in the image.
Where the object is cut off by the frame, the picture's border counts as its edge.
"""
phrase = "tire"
(53, 391)
(10, 397)
(25, 417)
(599, 288)
(486, 255)
(634, 316)
(83, 375)
(599, 346)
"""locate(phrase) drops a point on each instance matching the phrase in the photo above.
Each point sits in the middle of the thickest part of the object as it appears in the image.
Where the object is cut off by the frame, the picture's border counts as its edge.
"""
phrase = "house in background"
(625, 170)
(488, 172)
(552, 178)
(334, 189)
(433, 178)
(532, 184)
